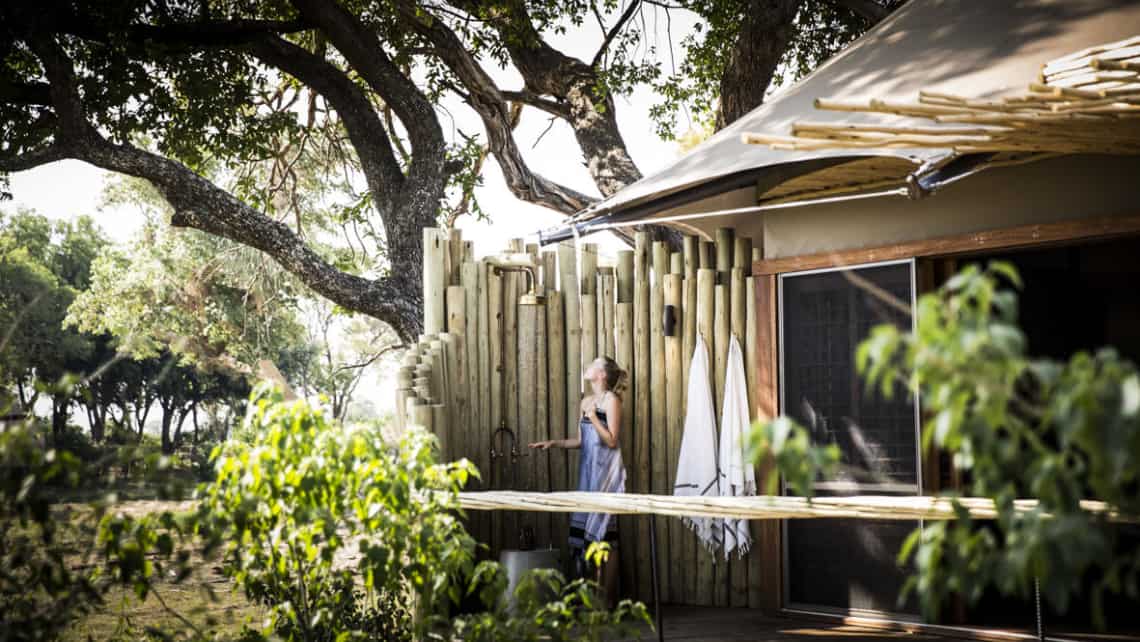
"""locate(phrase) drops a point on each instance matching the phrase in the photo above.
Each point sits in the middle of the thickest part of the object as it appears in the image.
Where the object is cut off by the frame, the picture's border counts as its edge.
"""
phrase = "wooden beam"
(768, 545)
(1004, 238)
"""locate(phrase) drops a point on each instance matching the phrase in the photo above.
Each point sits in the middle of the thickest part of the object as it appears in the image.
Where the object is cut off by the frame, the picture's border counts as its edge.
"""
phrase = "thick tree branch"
(202, 205)
(366, 131)
(547, 71)
(488, 101)
(552, 107)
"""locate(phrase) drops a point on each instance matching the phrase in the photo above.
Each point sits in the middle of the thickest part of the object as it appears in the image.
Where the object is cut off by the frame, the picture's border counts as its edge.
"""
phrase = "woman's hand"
(544, 445)
(592, 414)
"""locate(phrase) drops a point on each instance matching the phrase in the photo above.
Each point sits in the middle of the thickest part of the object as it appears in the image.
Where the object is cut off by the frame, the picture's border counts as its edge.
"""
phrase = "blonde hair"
(615, 376)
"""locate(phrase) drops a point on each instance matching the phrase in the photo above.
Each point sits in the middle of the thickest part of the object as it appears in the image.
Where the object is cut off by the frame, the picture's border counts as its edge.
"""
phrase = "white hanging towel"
(696, 465)
(738, 478)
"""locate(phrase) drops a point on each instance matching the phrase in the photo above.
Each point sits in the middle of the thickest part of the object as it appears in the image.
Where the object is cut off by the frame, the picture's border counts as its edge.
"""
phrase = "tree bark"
(765, 33)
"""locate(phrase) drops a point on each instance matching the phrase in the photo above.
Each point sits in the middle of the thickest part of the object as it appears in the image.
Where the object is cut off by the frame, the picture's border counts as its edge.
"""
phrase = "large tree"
(171, 90)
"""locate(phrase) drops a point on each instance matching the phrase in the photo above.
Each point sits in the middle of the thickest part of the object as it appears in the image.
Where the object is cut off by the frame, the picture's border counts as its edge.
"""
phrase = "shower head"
(520, 262)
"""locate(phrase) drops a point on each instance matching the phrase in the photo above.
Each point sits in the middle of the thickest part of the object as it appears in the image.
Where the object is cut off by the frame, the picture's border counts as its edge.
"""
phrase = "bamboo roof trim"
(757, 507)
(1085, 102)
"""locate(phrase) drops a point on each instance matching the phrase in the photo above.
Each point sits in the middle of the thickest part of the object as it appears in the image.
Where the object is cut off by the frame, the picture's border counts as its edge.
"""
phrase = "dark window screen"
(848, 564)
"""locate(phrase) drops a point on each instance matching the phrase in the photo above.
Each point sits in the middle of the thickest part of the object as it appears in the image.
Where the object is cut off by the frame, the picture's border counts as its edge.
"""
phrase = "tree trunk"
(59, 414)
(167, 419)
(178, 428)
(764, 36)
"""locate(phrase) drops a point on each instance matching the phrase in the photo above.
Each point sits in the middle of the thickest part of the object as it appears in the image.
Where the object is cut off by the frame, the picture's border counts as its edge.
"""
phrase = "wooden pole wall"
(489, 361)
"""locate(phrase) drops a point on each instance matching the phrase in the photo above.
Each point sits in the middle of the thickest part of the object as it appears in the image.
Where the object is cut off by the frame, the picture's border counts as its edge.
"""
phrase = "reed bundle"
(757, 507)
(1085, 102)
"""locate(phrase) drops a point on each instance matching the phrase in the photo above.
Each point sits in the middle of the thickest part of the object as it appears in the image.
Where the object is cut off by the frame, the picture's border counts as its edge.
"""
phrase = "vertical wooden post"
(624, 290)
(751, 358)
(738, 594)
(768, 545)
(541, 428)
(588, 303)
(703, 588)
(721, 334)
(623, 346)
(486, 337)
(675, 420)
(607, 318)
(725, 247)
(556, 408)
(627, 524)
(457, 329)
(690, 247)
(707, 255)
(742, 254)
(454, 255)
(527, 371)
(568, 283)
(642, 392)
(589, 330)
(549, 271)
(434, 280)
(513, 287)
(469, 277)
(497, 414)
(658, 429)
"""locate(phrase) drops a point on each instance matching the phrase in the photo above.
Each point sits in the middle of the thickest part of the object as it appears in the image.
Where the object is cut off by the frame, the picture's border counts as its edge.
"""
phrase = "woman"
(600, 468)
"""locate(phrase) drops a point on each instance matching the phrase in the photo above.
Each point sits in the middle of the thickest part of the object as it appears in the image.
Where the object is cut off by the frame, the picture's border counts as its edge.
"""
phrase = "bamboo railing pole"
(589, 329)
(676, 263)
(404, 376)
(438, 417)
(675, 420)
(541, 429)
(627, 526)
(434, 280)
(642, 421)
(703, 588)
(600, 311)
(659, 435)
(557, 426)
(725, 247)
(751, 362)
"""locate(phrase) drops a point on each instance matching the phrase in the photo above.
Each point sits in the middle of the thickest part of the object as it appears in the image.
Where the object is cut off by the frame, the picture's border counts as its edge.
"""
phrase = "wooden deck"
(691, 623)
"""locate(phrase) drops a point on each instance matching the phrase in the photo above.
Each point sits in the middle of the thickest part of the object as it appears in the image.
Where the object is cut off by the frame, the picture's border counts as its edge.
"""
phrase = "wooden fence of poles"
(496, 370)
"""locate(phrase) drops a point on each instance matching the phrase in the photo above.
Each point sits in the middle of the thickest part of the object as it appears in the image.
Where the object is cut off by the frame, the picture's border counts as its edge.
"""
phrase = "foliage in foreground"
(1016, 427)
(337, 534)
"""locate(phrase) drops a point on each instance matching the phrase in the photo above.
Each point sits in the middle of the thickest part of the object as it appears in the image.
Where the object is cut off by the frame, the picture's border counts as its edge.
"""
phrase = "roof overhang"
(963, 47)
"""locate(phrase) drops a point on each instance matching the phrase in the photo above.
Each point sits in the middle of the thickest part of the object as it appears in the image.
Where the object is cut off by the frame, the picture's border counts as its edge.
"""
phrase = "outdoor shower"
(504, 441)
(499, 265)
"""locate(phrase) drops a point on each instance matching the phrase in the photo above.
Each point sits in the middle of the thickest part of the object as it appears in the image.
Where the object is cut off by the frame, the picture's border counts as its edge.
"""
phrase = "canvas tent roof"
(969, 47)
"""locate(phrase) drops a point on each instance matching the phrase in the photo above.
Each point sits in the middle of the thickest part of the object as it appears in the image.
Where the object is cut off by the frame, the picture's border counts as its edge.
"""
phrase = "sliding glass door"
(848, 565)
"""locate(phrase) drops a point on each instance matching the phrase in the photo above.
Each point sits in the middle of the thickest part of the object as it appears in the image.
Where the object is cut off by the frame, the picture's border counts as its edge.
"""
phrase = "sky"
(67, 189)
